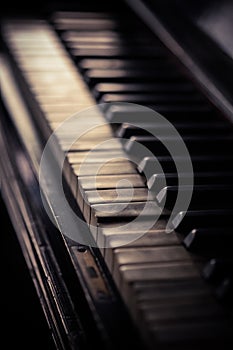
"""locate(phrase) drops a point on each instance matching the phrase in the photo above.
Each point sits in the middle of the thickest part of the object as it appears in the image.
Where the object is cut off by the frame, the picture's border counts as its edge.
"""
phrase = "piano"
(117, 168)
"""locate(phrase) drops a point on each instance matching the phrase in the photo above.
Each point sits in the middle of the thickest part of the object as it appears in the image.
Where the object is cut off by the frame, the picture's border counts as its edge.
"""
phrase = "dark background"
(24, 324)
(44, 7)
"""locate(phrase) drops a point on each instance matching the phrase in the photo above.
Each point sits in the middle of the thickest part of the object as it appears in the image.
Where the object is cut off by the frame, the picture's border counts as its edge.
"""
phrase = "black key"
(195, 144)
(148, 98)
(101, 63)
(157, 181)
(108, 36)
(136, 88)
(218, 269)
(116, 53)
(59, 15)
(184, 222)
(192, 128)
(126, 48)
(224, 291)
(200, 164)
(92, 24)
(203, 197)
(95, 76)
(127, 63)
(212, 240)
(174, 113)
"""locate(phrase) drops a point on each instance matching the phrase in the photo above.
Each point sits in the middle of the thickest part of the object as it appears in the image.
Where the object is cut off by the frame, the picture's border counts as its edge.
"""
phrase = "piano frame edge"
(77, 319)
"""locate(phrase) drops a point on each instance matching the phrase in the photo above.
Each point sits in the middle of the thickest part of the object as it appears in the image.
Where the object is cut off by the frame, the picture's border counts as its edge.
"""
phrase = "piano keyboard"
(80, 59)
